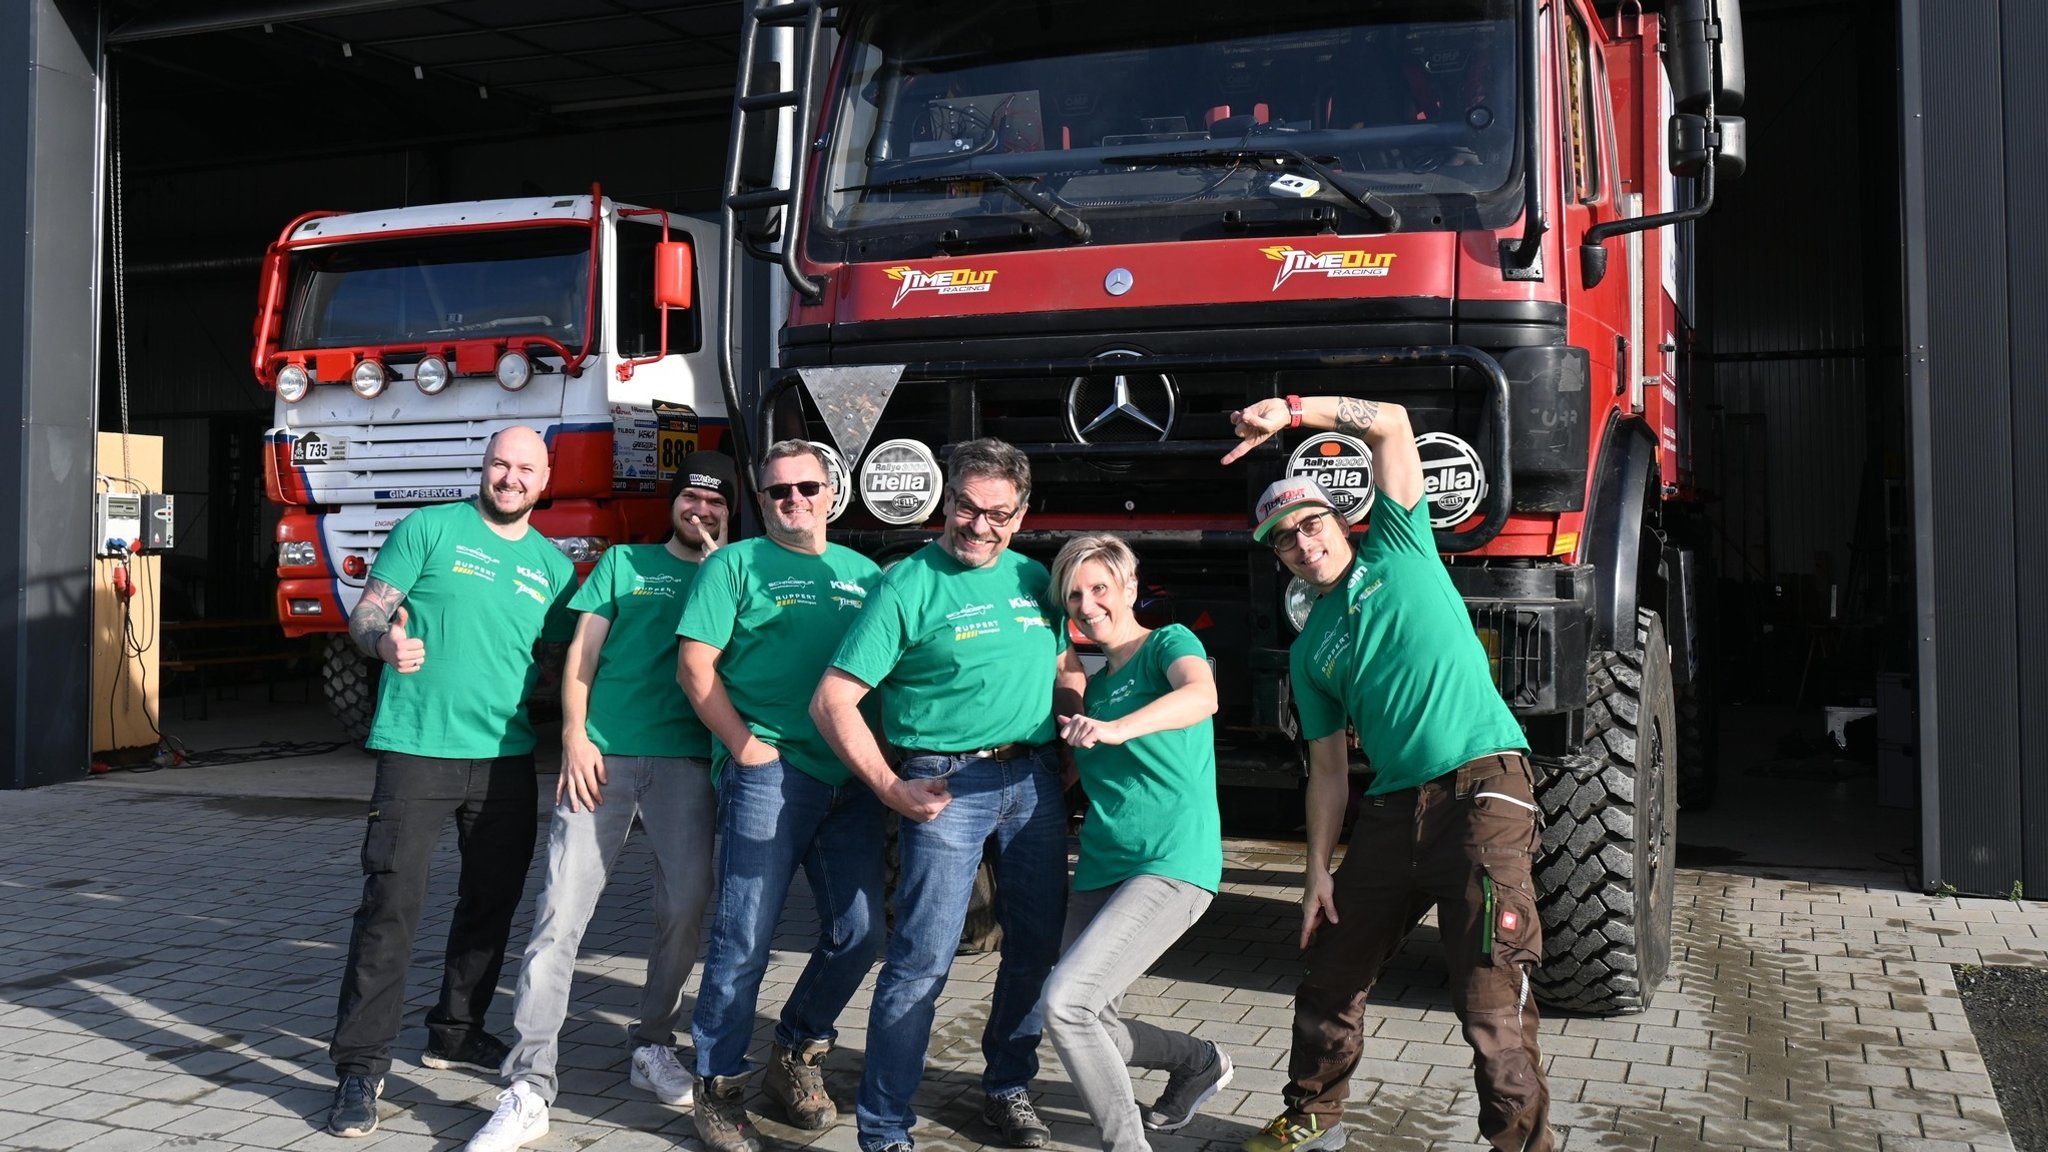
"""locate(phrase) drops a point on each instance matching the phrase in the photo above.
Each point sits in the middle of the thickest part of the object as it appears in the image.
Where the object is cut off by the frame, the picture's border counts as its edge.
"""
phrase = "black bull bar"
(1500, 481)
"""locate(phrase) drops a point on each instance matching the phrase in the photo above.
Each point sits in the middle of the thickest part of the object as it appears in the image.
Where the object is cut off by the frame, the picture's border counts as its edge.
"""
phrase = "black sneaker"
(479, 1052)
(355, 1106)
(1016, 1121)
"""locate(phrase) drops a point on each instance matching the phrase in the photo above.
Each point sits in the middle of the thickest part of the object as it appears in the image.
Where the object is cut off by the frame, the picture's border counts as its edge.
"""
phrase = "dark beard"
(492, 514)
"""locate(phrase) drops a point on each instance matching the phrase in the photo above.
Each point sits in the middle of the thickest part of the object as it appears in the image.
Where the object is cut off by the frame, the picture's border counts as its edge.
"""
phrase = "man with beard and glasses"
(631, 746)
(763, 619)
(459, 597)
(1449, 819)
(971, 657)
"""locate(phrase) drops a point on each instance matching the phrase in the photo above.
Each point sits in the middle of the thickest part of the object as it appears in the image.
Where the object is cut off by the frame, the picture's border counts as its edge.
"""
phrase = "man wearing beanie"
(631, 745)
(1450, 816)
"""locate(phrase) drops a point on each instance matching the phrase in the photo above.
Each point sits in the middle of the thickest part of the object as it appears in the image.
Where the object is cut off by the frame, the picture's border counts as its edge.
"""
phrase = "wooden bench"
(207, 653)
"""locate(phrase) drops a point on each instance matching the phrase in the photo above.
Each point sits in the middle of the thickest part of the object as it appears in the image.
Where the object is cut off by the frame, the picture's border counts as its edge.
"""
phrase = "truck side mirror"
(675, 274)
(1690, 146)
(1698, 35)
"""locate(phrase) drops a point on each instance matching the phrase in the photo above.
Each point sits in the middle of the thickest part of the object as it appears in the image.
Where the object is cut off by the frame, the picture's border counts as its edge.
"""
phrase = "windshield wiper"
(1041, 203)
(1388, 215)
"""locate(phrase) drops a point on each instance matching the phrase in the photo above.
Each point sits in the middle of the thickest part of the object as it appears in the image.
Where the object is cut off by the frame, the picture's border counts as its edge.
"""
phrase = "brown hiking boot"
(721, 1118)
(795, 1080)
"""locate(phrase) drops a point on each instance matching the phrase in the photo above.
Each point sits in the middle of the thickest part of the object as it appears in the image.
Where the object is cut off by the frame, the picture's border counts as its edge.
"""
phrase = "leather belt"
(1014, 750)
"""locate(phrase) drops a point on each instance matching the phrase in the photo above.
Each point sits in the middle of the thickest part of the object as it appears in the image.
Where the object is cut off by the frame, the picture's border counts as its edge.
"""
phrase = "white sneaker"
(656, 1070)
(521, 1118)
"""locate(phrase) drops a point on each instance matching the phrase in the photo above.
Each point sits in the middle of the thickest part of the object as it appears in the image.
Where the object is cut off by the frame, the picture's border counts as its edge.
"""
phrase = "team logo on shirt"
(539, 578)
(1118, 693)
(848, 594)
(1331, 649)
(467, 561)
(659, 584)
(795, 590)
(1030, 604)
(525, 589)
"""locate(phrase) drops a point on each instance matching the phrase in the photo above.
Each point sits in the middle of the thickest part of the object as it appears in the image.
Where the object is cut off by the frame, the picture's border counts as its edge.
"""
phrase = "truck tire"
(980, 933)
(350, 680)
(1604, 874)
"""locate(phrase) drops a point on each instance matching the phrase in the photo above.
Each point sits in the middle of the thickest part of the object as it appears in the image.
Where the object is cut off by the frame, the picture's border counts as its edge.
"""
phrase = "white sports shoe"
(521, 1118)
(656, 1070)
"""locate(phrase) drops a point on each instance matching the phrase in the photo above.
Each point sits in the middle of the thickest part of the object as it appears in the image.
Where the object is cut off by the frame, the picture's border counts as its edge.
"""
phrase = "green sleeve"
(404, 554)
(1321, 715)
(1176, 643)
(877, 639)
(560, 626)
(713, 604)
(597, 596)
(1395, 529)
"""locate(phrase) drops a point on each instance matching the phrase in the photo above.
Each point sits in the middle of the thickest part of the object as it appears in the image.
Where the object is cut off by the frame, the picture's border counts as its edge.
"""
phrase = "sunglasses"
(1290, 539)
(780, 492)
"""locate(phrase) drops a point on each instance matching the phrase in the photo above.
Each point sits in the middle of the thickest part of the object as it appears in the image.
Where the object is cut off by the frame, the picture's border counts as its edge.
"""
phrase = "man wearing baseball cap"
(631, 746)
(1449, 818)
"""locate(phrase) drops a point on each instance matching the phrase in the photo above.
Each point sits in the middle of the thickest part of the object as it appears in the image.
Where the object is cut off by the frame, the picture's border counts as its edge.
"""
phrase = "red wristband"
(1294, 411)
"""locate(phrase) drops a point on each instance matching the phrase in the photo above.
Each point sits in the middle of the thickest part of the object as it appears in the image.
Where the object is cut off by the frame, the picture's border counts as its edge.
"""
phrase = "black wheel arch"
(1613, 531)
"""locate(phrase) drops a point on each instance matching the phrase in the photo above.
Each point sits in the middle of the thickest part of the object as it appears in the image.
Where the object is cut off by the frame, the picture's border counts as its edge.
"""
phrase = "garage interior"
(226, 120)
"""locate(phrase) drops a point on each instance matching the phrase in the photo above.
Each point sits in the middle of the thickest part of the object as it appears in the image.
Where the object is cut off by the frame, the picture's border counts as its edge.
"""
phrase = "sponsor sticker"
(900, 482)
(1340, 263)
(422, 493)
(835, 471)
(1452, 477)
(945, 281)
(1341, 466)
(313, 448)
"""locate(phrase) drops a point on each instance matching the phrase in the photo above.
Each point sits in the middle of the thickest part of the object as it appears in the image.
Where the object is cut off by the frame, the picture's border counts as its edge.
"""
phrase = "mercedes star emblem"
(1148, 400)
(1117, 282)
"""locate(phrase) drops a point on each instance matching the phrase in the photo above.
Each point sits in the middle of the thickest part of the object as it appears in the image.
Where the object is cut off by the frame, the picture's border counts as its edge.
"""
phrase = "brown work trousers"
(1464, 843)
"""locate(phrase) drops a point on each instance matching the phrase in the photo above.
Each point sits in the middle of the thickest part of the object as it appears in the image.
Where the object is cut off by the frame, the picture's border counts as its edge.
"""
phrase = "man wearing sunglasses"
(1450, 816)
(962, 639)
(762, 621)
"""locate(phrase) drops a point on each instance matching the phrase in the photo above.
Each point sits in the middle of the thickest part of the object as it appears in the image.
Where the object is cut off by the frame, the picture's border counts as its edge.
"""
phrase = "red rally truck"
(1095, 229)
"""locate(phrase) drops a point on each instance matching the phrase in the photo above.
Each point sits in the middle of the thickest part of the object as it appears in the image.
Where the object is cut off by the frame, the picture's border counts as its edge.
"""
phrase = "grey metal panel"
(1957, 222)
(48, 247)
(2025, 29)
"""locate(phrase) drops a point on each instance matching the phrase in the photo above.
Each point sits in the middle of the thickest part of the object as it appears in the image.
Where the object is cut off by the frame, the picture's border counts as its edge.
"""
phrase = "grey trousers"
(1113, 935)
(673, 798)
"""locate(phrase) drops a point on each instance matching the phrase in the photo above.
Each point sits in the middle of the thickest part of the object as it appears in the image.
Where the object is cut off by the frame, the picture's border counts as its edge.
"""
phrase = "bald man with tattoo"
(459, 598)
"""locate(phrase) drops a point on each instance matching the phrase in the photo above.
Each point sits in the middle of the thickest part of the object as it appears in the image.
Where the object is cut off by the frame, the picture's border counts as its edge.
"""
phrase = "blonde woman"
(1151, 847)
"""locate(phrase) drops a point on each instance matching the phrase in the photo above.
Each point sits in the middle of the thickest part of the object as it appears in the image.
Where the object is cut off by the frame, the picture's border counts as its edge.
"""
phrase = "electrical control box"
(120, 522)
(159, 531)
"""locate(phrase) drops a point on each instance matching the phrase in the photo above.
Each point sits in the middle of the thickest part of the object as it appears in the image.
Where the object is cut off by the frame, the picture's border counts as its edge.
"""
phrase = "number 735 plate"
(313, 448)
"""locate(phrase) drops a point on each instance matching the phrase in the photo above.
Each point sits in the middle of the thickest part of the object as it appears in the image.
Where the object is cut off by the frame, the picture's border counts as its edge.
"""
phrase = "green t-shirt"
(1392, 647)
(964, 656)
(478, 602)
(1151, 801)
(636, 706)
(776, 616)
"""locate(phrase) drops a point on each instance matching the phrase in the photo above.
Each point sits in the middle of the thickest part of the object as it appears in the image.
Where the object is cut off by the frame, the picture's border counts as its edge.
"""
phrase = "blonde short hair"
(1109, 551)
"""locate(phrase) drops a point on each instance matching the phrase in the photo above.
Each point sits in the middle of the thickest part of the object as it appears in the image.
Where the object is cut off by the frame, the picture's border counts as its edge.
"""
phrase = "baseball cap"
(1284, 496)
(711, 471)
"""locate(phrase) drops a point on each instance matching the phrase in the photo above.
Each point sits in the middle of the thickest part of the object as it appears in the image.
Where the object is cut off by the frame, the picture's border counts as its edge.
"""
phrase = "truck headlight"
(292, 382)
(514, 370)
(1299, 599)
(297, 554)
(582, 549)
(368, 379)
(431, 374)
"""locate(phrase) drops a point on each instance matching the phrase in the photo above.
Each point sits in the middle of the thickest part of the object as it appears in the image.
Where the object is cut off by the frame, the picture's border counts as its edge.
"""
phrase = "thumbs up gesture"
(403, 652)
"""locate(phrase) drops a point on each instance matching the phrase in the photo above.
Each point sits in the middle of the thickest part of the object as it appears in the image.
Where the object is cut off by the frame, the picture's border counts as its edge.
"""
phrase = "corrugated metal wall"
(1972, 86)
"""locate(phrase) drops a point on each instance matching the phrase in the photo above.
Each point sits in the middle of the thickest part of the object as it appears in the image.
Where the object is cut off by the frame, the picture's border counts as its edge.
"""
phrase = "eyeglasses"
(966, 513)
(780, 492)
(1291, 539)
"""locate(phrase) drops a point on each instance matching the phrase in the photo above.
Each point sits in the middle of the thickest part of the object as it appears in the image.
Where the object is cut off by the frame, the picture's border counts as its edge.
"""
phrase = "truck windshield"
(529, 281)
(1146, 120)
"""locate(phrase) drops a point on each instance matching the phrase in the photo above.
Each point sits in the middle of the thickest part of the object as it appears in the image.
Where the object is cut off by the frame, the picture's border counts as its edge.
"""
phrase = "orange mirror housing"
(675, 274)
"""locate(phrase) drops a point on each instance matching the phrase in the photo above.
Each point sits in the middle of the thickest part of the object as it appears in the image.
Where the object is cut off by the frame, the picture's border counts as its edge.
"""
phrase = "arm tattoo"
(372, 616)
(1356, 415)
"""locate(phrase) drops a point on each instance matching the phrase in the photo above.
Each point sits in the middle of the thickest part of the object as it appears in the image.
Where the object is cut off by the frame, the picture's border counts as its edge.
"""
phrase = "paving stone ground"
(168, 967)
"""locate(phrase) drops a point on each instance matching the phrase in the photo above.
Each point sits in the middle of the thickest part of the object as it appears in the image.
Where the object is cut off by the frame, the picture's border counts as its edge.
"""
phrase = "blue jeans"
(1018, 803)
(771, 818)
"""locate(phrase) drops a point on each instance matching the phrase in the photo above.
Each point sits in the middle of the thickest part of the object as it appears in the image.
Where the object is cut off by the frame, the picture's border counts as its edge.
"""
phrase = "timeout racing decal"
(1341, 262)
(945, 281)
